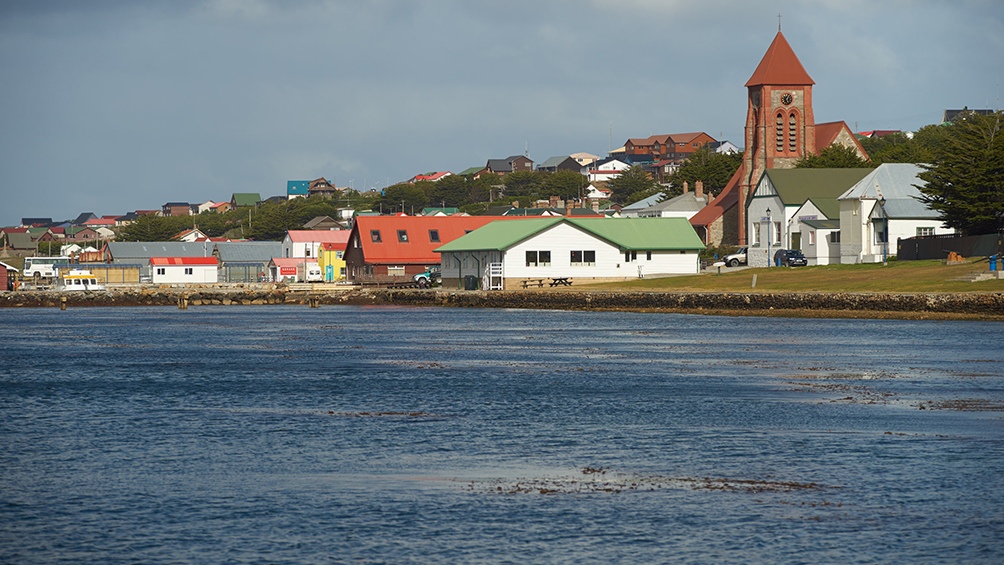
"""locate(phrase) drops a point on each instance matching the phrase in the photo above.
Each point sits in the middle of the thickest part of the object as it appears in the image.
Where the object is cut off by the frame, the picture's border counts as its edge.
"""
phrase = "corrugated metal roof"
(130, 251)
(626, 233)
(896, 182)
(248, 251)
(183, 261)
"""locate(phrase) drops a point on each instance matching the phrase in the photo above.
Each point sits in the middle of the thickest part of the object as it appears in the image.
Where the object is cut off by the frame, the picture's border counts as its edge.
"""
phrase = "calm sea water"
(413, 435)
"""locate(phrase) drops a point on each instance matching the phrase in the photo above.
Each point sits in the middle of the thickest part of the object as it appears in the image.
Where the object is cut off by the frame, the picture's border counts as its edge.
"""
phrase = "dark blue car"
(790, 258)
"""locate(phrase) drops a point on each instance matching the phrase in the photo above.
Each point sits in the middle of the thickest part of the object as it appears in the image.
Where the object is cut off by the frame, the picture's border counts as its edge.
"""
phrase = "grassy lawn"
(905, 276)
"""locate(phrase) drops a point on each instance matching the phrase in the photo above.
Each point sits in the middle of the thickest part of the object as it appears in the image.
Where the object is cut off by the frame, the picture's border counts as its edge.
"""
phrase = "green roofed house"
(245, 199)
(784, 200)
(514, 254)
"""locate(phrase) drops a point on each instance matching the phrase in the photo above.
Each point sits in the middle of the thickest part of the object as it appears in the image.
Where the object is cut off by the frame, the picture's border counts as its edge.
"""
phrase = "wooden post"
(62, 303)
(183, 302)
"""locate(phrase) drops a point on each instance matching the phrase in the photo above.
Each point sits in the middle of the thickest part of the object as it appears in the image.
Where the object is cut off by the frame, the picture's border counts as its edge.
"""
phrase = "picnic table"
(539, 283)
(561, 281)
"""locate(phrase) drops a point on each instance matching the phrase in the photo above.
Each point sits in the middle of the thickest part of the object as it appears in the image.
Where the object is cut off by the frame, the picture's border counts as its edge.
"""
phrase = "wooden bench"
(561, 281)
(539, 283)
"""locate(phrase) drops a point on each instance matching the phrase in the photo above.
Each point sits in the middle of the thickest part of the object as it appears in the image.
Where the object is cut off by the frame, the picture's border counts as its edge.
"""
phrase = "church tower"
(780, 126)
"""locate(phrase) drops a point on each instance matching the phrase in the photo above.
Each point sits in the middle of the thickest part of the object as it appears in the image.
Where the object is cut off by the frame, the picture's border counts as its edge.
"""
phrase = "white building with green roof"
(514, 254)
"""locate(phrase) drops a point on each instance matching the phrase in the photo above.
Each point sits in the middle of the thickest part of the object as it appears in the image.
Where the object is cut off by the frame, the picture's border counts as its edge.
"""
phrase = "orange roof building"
(388, 249)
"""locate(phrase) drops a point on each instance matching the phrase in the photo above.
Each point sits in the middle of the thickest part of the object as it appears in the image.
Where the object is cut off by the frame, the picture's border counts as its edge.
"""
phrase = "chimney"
(515, 203)
(686, 187)
(596, 206)
(699, 189)
(568, 209)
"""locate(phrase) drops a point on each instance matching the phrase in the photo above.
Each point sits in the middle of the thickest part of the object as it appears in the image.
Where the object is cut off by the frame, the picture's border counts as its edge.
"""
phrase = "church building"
(780, 130)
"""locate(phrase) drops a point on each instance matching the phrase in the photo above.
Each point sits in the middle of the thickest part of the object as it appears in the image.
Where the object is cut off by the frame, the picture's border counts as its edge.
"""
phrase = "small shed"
(183, 270)
(7, 276)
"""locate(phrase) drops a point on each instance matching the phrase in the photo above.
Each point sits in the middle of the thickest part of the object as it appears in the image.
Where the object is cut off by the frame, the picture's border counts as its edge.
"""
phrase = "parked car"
(432, 276)
(790, 258)
(735, 259)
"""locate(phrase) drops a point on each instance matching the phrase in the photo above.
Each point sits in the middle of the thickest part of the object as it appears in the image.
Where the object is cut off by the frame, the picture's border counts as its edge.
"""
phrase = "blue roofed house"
(297, 189)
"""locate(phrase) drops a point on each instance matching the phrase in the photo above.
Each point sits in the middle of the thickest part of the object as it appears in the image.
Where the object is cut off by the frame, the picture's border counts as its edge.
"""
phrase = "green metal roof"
(246, 198)
(795, 186)
(639, 234)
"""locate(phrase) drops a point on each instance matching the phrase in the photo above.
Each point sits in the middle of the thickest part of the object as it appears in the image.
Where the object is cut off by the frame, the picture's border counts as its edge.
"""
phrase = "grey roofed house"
(635, 207)
(139, 252)
(560, 163)
(894, 182)
(248, 251)
(684, 205)
(83, 217)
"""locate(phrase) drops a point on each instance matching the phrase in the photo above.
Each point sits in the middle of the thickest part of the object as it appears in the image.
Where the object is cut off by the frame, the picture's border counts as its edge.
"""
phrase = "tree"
(523, 184)
(631, 181)
(565, 184)
(403, 197)
(713, 169)
(834, 157)
(965, 180)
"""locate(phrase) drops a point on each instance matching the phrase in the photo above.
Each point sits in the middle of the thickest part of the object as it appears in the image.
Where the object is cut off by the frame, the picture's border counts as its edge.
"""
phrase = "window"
(306, 251)
(342, 272)
(434, 236)
(188, 270)
(339, 254)
(583, 258)
(924, 232)
(396, 271)
(777, 232)
(161, 271)
(368, 270)
(630, 256)
(779, 131)
(835, 237)
(756, 234)
(812, 237)
(375, 236)
(402, 236)
(648, 255)
(538, 258)
(792, 133)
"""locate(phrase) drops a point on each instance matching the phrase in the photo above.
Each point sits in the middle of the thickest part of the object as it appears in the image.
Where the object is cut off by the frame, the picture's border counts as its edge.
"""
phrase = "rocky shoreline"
(988, 306)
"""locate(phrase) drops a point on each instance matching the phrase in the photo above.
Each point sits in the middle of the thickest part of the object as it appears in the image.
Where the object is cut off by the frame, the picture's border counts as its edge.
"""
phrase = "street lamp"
(770, 228)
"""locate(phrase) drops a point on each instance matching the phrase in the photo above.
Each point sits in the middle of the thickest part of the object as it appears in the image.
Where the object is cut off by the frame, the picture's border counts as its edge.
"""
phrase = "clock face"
(786, 98)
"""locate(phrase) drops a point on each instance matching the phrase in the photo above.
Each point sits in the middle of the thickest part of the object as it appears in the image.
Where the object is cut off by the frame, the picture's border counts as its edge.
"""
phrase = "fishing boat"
(78, 279)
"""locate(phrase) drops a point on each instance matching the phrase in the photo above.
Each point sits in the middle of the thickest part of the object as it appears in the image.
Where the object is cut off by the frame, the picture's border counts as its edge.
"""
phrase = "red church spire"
(780, 66)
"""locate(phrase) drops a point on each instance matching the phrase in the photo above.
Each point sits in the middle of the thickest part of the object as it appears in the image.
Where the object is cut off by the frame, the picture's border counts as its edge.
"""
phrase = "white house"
(602, 171)
(183, 270)
(512, 254)
(306, 243)
(786, 198)
(882, 208)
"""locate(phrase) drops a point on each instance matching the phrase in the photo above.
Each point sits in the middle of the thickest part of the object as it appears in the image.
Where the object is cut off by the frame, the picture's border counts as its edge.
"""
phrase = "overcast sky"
(111, 106)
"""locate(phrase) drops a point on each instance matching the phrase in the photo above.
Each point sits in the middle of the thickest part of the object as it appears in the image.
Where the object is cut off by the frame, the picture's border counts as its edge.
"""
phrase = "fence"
(939, 246)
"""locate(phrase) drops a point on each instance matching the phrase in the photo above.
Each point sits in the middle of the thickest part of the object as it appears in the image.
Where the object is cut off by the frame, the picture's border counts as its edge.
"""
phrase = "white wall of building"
(184, 274)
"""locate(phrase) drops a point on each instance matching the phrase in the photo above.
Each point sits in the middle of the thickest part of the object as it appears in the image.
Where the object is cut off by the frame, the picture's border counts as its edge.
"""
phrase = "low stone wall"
(875, 305)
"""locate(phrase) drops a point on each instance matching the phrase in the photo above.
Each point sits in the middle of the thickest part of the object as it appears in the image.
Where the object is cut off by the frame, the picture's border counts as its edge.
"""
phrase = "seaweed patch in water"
(599, 480)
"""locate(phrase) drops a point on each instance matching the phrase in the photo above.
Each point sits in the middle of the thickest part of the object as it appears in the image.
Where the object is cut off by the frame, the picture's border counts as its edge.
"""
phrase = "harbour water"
(436, 435)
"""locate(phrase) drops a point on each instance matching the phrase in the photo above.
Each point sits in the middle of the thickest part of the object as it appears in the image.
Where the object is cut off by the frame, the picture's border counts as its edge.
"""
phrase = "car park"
(790, 258)
(735, 259)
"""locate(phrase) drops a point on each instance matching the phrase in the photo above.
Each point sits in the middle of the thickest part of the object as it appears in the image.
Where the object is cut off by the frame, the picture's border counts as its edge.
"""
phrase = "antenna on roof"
(779, 22)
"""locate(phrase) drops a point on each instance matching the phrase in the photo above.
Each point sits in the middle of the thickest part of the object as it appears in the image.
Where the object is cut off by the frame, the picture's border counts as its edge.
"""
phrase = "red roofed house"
(780, 130)
(307, 243)
(183, 270)
(388, 249)
(432, 177)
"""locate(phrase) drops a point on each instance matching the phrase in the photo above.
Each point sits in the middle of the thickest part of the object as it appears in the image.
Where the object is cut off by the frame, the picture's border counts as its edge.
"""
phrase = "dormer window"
(434, 236)
(402, 236)
(375, 236)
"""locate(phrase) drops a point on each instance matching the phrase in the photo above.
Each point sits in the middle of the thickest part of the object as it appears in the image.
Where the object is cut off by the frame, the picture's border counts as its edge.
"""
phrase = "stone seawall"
(872, 305)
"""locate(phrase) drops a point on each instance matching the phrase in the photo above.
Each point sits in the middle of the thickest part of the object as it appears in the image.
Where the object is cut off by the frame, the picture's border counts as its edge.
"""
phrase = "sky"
(110, 106)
